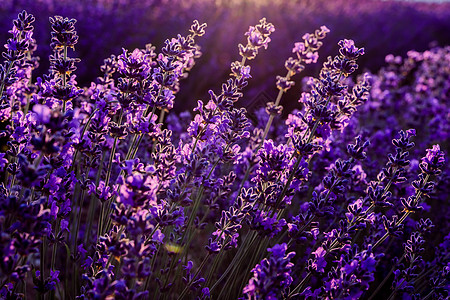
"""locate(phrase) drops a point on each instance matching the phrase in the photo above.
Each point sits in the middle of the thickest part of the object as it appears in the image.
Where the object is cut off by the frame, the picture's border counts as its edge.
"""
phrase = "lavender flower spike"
(272, 276)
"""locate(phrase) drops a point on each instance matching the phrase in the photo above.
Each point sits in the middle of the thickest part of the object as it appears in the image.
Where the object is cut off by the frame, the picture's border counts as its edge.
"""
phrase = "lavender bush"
(108, 25)
(107, 193)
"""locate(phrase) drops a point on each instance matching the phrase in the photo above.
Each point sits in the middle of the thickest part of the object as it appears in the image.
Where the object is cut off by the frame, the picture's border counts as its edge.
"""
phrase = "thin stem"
(152, 267)
(79, 219)
(38, 160)
(2, 87)
(132, 151)
(64, 79)
(105, 206)
(100, 221)
(392, 295)
(403, 217)
(291, 241)
(272, 116)
(27, 107)
(429, 295)
(92, 207)
(85, 127)
(55, 246)
(211, 271)
(161, 116)
(255, 259)
(42, 266)
(300, 285)
(110, 163)
(188, 285)
(197, 202)
(386, 278)
(299, 158)
(237, 259)
(287, 185)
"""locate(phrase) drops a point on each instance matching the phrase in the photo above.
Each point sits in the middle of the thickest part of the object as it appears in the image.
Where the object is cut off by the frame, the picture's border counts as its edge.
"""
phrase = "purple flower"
(63, 34)
(352, 275)
(43, 113)
(257, 37)
(319, 263)
(64, 225)
(271, 277)
(349, 50)
(433, 162)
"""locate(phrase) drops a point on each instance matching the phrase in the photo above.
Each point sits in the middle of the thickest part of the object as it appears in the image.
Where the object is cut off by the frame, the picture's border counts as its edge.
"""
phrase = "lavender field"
(240, 149)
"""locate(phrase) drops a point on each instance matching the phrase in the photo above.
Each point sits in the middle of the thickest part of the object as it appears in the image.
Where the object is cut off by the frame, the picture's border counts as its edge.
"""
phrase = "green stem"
(92, 207)
(161, 116)
(196, 206)
(152, 267)
(218, 258)
(85, 127)
(105, 206)
(237, 259)
(100, 221)
(193, 278)
(55, 246)
(13, 179)
(429, 295)
(2, 87)
(79, 219)
(301, 230)
(299, 158)
(262, 247)
(64, 79)
(272, 116)
(132, 151)
(42, 266)
(27, 107)
(287, 185)
(299, 286)
(38, 160)
(110, 163)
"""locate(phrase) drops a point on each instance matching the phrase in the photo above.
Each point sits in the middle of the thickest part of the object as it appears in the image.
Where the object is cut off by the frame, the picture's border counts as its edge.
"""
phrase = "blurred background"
(105, 26)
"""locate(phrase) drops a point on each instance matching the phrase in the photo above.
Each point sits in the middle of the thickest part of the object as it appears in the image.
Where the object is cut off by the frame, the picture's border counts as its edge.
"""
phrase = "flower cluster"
(108, 193)
(272, 276)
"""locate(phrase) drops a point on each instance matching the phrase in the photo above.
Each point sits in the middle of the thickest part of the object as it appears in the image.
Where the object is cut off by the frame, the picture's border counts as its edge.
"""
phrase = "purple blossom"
(271, 277)
(108, 192)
